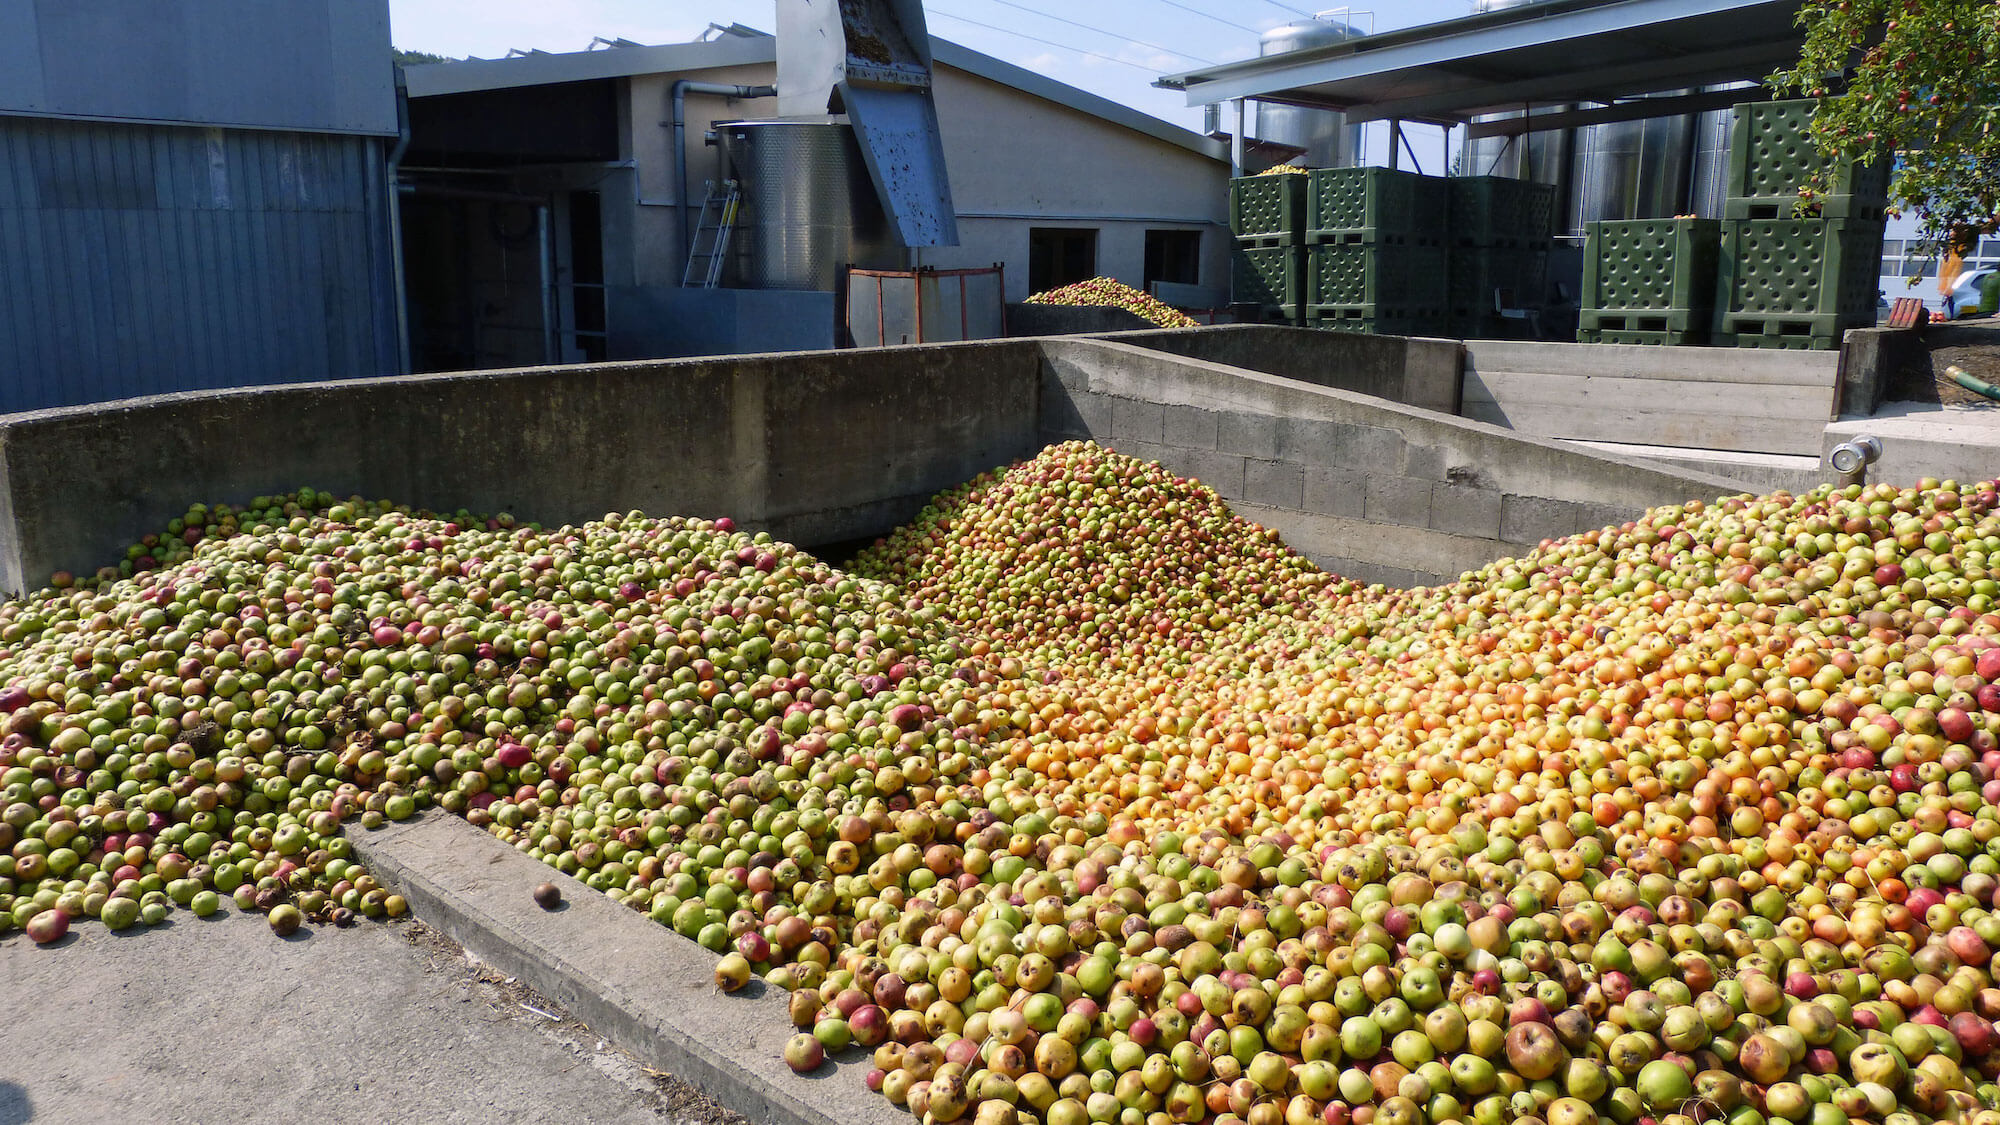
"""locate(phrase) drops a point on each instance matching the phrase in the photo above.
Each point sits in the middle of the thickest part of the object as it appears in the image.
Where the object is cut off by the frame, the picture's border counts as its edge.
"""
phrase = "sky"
(1121, 47)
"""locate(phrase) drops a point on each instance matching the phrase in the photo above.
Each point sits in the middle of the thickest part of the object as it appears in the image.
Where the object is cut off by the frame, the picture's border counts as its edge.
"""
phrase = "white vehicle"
(1964, 298)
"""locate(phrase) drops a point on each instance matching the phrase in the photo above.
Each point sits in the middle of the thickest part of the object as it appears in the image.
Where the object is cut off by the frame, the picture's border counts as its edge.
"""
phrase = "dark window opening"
(586, 254)
(1173, 256)
(1059, 256)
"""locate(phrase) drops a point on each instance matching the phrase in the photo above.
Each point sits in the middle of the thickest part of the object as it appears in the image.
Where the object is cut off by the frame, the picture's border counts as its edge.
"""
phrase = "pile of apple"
(1083, 801)
(1107, 292)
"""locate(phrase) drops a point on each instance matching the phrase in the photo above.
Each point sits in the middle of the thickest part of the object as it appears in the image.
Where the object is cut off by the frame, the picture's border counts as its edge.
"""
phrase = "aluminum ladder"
(711, 236)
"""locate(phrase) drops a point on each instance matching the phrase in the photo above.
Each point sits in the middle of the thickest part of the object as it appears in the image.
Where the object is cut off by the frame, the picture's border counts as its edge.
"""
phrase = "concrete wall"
(816, 448)
(819, 448)
(1743, 400)
(1368, 489)
(1413, 372)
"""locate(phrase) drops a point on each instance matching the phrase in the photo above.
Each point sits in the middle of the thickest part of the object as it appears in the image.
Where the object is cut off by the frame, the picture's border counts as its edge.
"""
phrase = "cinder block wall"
(1367, 488)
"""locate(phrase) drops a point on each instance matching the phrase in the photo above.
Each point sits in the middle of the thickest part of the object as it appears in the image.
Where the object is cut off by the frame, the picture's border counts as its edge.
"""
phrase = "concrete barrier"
(1369, 489)
(635, 982)
(816, 447)
(824, 448)
(1413, 372)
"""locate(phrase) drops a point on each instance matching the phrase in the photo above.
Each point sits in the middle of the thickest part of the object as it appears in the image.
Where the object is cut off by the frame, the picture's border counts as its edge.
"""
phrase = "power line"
(1046, 42)
(1209, 15)
(1294, 11)
(1101, 31)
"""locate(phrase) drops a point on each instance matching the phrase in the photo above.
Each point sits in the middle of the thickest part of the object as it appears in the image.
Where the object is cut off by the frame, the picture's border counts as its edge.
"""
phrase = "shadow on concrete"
(15, 1108)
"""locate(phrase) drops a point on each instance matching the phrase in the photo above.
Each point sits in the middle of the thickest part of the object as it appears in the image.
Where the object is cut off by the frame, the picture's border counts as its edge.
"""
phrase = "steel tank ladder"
(711, 236)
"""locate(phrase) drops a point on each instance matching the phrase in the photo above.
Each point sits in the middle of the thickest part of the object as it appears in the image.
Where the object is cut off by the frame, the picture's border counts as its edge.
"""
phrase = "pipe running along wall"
(677, 99)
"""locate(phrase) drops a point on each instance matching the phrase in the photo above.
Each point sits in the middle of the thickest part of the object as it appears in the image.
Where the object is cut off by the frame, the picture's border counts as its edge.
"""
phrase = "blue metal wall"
(142, 259)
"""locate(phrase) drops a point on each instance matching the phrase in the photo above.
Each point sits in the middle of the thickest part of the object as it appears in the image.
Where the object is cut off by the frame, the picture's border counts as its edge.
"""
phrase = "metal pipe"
(551, 331)
(1236, 142)
(398, 286)
(1395, 135)
(1850, 459)
(677, 98)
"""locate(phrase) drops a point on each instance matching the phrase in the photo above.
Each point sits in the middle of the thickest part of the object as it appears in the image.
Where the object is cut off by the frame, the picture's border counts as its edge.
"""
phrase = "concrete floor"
(220, 1021)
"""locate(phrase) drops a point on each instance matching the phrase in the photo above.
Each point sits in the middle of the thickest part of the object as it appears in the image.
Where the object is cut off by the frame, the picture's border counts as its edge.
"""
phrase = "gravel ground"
(217, 1021)
(1959, 345)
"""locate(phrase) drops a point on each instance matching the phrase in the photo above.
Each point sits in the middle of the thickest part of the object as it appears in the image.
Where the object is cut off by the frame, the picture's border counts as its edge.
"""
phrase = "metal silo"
(1709, 182)
(1329, 141)
(1631, 170)
(808, 205)
(1542, 157)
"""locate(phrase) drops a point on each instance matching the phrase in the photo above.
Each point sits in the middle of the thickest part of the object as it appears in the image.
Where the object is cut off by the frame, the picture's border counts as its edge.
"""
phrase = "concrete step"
(1925, 439)
(1760, 472)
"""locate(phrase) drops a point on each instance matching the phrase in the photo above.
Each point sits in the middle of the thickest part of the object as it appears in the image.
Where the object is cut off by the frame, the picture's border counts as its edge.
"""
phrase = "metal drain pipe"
(678, 105)
(1851, 458)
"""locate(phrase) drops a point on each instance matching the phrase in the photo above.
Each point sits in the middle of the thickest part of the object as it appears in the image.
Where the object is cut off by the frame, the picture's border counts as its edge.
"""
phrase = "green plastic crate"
(1693, 322)
(1475, 274)
(1268, 207)
(1663, 338)
(1651, 264)
(1368, 319)
(1498, 211)
(1776, 339)
(1269, 275)
(1797, 277)
(1374, 205)
(1772, 156)
(1375, 274)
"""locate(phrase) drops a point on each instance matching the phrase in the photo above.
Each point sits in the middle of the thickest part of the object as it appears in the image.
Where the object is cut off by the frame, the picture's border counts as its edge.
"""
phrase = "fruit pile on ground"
(1083, 801)
(1108, 293)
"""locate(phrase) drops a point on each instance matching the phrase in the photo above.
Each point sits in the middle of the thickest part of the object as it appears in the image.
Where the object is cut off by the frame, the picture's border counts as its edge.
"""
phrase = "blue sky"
(1140, 39)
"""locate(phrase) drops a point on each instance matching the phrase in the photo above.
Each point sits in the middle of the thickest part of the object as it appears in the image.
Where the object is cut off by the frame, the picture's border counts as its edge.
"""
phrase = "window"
(1059, 256)
(1173, 256)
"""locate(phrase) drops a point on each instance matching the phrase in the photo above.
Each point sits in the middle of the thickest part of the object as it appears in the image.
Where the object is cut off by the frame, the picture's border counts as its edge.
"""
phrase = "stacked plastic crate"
(1499, 231)
(1267, 214)
(1785, 281)
(1649, 281)
(1375, 259)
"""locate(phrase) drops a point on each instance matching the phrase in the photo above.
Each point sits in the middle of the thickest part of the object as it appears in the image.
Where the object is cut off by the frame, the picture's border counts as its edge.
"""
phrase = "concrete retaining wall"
(1421, 373)
(831, 447)
(1743, 400)
(817, 447)
(1369, 489)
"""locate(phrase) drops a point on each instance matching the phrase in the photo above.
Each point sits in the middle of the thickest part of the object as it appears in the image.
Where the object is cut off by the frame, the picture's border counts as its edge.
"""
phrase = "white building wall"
(1017, 161)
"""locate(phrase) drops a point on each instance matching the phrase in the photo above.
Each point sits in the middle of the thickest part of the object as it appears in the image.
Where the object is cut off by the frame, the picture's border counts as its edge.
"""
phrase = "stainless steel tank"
(1709, 181)
(1542, 157)
(1329, 141)
(1631, 170)
(808, 204)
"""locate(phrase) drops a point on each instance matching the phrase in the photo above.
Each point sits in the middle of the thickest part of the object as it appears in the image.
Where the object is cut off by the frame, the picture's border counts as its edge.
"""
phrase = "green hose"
(1976, 386)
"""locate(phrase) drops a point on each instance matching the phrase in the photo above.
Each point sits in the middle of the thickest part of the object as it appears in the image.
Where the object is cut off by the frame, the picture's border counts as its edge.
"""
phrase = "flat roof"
(542, 69)
(1554, 51)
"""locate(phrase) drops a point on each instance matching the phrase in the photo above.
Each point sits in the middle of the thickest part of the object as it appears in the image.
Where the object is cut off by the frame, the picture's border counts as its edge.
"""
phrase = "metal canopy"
(1571, 51)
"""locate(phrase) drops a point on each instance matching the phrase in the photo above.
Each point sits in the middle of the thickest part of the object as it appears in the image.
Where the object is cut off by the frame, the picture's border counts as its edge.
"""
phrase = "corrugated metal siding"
(140, 260)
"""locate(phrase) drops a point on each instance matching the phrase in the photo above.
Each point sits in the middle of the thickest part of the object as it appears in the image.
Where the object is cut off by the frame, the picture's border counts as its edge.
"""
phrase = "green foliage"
(1921, 78)
(418, 58)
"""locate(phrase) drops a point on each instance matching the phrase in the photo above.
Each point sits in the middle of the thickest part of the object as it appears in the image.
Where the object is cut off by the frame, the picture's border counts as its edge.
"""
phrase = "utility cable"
(1209, 15)
(1045, 42)
(1101, 31)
